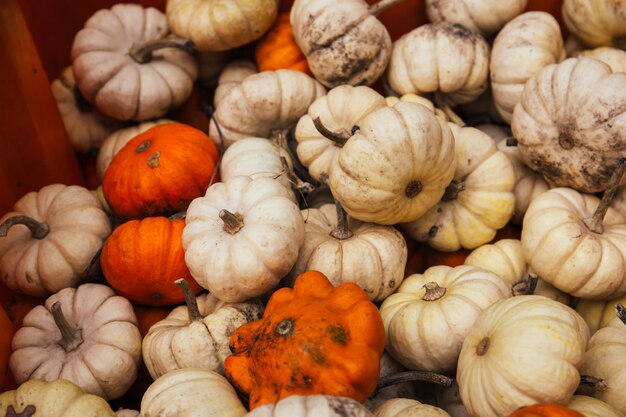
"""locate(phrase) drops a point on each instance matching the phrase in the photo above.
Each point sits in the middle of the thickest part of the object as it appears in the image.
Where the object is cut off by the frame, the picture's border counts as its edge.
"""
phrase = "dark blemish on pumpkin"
(28, 411)
(566, 141)
(315, 353)
(433, 231)
(337, 334)
(392, 283)
(143, 146)
(355, 129)
(284, 328)
(308, 381)
(156, 296)
(413, 188)
(153, 161)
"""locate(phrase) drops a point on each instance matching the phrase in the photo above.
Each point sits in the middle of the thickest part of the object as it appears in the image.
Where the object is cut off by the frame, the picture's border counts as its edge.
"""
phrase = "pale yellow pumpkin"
(598, 313)
(613, 57)
(405, 407)
(592, 407)
(596, 23)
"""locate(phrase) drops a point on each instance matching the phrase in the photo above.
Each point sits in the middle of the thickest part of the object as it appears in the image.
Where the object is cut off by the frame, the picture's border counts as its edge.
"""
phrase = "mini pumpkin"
(613, 57)
(330, 341)
(278, 49)
(545, 410)
(405, 407)
(233, 74)
(127, 73)
(592, 407)
(51, 239)
(87, 335)
(596, 23)
(598, 313)
(160, 171)
(312, 406)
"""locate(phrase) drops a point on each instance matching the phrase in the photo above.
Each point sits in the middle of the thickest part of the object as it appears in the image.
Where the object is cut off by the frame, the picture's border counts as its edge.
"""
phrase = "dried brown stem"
(142, 53)
(190, 299)
(340, 137)
(596, 384)
(381, 6)
(342, 231)
(621, 312)
(72, 338)
(233, 222)
(410, 376)
(37, 229)
(595, 223)
(433, 291)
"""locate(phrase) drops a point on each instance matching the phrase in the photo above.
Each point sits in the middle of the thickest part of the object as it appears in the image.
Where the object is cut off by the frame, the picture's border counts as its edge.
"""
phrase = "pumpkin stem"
(525, 286)
(342, 231)
(340, 138)
(72, 338)
(621, 312)
(381, 6)
(38, 230)
(433, 291)
(511, 141)
(442, 103)
(142, 53)
(296, 183)
(233, 222)
(190, 299)
(29, 411)
(597, 384)
(595, 223)
(411, 376)
(453, 190)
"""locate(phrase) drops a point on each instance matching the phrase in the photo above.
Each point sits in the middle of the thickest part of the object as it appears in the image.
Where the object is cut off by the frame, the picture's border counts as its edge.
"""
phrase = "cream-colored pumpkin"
(477, 202)
(344, 43)
(570, 123)
(263, 103)
(592, 407)
(405, 407)
(312, 406)
(126, 412)
(220, 25)
(116, 141)
(596, 23)
(522, 48)
(191, 392)
(339, 111)
(196, 336)
(449, 400)
(428, 317)
(606, 359)
(389, 366)
(242, 237)
(118, 69)
(396, 167)
(233, 74)
(598, 313)
(414, 98)
(87, 335)
(442, 58)
(521, 350)
(86, 127)
(56, 234)
(505, 258)
(370, 255)
(619, 201)
(210, 65)
(59, 398)
(560, 244)
(613, 57)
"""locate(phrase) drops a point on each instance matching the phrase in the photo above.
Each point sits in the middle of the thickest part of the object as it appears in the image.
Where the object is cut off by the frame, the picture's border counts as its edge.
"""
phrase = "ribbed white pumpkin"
(613, 57)
(405, 407)
(593, 407)
(232, 74)
(312, 406)
(619, 201)
(598, 313)
(596, 23)
(521, 350)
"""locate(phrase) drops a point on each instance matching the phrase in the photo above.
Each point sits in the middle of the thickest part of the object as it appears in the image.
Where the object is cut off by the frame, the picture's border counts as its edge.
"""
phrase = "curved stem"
(296, 183)
(233, 222)
(621, 312)
(340, 138)
(38, 230)
(142, 53)
(410, 376)
(525, 286)
(342, 231)
(72, 338)
(381, 6)
(29, 411)
(452, 191)
(442, 103)
(597, 384)
(595, 223)
(433, 291)
(190, 299)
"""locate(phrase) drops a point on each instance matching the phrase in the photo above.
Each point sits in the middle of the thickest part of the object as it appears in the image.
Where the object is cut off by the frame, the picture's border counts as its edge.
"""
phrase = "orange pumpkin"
(546, 410)
(159, 171)
(6, 335)
(312, 339)
(147, 316)
(191, 111)
(142, 259)
(278, 49)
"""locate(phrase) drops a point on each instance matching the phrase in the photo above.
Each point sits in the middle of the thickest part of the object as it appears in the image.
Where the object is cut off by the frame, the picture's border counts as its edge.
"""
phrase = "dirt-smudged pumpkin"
(142, 259)
(313, 339)
(278, 50)
(160, 171)
(545, 410)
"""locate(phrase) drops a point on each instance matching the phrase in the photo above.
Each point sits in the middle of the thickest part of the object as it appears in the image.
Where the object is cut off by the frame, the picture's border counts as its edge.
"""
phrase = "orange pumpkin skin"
(160, 171)
(142, 259)
(147, 316)
(278, 49)
(312, 339)
(6, 336)
(546, 410)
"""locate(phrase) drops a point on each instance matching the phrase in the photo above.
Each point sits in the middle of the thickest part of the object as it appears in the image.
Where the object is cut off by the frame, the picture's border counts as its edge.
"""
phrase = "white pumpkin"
(263, 103)
(232, 74)
(312, 406)
(596, 23)
(477, 202)
(522, 48)
(598, 313)
(88, 336)
(613, 57)
(522, 350)
(242, 237)
(428, 317)
(126, 412)
(50, 239)
(405, 407)
(619, 201)
(592, 407)
(125, 64)
(347, 250)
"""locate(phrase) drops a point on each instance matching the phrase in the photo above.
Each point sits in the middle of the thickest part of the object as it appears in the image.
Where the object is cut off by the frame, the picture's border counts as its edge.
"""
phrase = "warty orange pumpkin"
(312, 339)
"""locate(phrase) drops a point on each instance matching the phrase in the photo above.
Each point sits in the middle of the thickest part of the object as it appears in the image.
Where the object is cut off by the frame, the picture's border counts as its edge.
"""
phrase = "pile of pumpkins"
(430, 226)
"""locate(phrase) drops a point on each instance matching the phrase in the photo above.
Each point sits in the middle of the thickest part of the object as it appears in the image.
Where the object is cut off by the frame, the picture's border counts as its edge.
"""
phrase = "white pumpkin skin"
(116, 83)
(104, 363)
(596, 23)
(396, 167)
(405, 407)
(191, 392)
(522, 48)
(232, 74)
(561, 249)
(343, 43)
(440, 57)
(214, 25)
(598, 313)
(85, 126)
(570, 123)
(178, 342)
(78, 227)
(485, 17)
(312, 406)
(449, 400)
(619, 201)
(238, 264)
(339, 110)
(262, 103)
(374, 257)
(542, 342)
(425, 326)
(613, 57)
(126, 412)
(592, 407)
